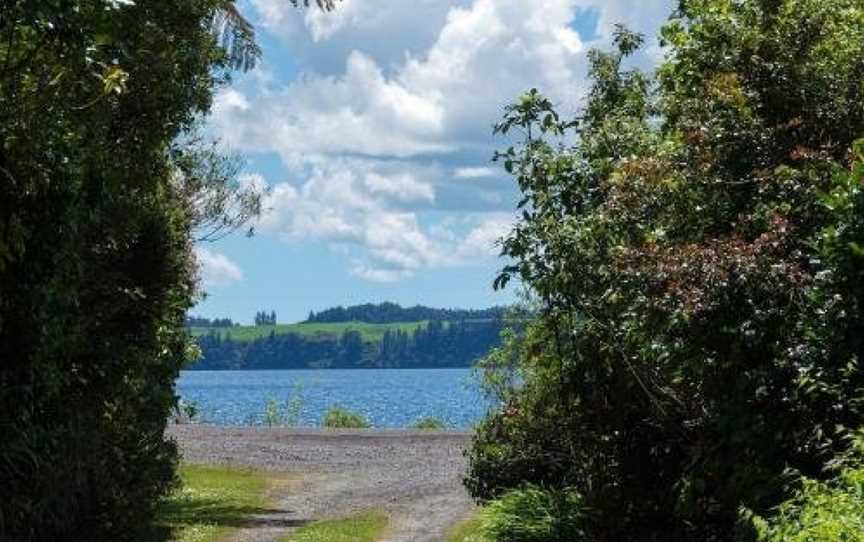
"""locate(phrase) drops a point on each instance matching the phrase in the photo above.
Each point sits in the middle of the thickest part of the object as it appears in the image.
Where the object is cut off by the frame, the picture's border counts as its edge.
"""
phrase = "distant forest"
(451, 338)
(385, 313)
(198, 321)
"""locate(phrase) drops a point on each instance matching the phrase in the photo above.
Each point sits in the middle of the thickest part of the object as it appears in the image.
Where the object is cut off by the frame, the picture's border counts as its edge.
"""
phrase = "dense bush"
(337, 417)
(698, 258)
(528, 438)
(817, 511)
(96, 266)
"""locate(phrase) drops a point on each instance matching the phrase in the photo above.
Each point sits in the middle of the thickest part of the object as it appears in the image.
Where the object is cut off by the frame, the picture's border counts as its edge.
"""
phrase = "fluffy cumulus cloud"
(368, 214)
(385, 126)
(406, 100)
(215, 269)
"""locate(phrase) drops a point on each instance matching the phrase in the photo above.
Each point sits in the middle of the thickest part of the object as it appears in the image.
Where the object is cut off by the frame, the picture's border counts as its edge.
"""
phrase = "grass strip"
(211, 504)
(365, 527)
(469, 530)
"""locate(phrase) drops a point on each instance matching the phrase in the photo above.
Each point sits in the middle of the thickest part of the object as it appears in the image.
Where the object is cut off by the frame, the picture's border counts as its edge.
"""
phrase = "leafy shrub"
(98, 207)
(283, 414)
(527, 440)
(186, 411)
(429, 422)
(532, 514)
(697, 257)
(337, 417)
(817, 511)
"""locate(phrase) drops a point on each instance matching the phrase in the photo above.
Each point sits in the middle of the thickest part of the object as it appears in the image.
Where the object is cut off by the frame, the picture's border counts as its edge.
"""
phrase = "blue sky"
(371, 126)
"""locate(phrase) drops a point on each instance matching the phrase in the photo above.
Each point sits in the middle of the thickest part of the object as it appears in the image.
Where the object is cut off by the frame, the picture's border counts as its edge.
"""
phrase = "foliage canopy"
(103, 187)
(698, 257)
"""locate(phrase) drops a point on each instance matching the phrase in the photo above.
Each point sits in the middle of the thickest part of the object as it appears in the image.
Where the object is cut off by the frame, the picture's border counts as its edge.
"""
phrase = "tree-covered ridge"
(348, 345)
(199, 322)
(262, 318)
(391, 312)
(369, 332)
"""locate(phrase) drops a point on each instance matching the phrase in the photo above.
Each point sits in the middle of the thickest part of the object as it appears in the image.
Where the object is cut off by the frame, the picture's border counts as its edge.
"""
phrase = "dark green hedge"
(96, 268)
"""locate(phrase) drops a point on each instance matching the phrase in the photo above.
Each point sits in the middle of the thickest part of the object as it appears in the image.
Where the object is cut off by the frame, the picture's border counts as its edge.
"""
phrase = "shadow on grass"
(189, 512)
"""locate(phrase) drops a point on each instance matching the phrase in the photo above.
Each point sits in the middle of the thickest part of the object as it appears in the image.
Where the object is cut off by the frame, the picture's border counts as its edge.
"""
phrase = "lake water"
(386, 397)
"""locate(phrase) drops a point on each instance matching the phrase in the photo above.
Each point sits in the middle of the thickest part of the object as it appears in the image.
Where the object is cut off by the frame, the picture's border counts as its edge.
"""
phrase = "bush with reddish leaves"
(698, 258)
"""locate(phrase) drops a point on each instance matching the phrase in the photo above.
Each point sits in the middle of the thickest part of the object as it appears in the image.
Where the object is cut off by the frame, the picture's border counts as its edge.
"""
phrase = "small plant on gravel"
(186, 411)
(273, 413)
(294, 406)
(339, 417)
(429, 422)
(190, 409)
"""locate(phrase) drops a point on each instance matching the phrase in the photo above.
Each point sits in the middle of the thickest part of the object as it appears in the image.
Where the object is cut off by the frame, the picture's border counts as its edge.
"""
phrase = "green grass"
(366, 527)
(337, 417)
(369, 332)
(212, 503)
(467, 531)
(529, 514)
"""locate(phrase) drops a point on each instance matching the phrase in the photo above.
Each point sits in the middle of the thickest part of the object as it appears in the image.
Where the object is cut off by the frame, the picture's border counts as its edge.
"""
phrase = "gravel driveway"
(414, 475)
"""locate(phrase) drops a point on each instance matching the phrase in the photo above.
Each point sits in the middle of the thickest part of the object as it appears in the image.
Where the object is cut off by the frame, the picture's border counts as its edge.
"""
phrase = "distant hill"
(362, 336)
(369, 332)
(382, 313)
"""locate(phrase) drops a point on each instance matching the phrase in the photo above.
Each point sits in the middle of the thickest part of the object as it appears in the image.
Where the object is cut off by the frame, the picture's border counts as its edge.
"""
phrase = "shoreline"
(328, 431)
(429, 368)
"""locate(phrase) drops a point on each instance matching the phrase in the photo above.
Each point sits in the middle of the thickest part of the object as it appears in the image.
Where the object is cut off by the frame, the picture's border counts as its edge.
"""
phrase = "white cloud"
(215, 269)
(360, 112)
(391, 99)
(379, 275)
(403, 187)
(431, 100)
(386, 30)
(228, 101)
(352, 205)
(474, 172)
(345, 202)
(482, 240)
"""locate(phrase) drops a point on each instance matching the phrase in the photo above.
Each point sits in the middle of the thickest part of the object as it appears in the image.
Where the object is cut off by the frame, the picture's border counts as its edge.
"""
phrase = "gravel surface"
(414, 475)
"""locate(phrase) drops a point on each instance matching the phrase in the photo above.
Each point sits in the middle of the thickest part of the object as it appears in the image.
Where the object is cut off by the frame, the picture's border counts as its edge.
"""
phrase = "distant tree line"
(200, 321)
(385, 313)
(262, 318)
(438, 344)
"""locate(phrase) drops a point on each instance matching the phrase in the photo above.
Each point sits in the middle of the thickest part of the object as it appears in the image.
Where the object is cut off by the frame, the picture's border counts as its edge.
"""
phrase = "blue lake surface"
(386, 397)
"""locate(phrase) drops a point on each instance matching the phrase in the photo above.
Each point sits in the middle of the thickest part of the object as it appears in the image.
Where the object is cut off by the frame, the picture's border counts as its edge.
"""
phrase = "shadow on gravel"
(178, 515)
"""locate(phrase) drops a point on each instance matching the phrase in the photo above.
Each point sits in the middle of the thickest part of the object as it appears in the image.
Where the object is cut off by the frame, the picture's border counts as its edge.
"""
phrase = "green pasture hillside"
(369, 332)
